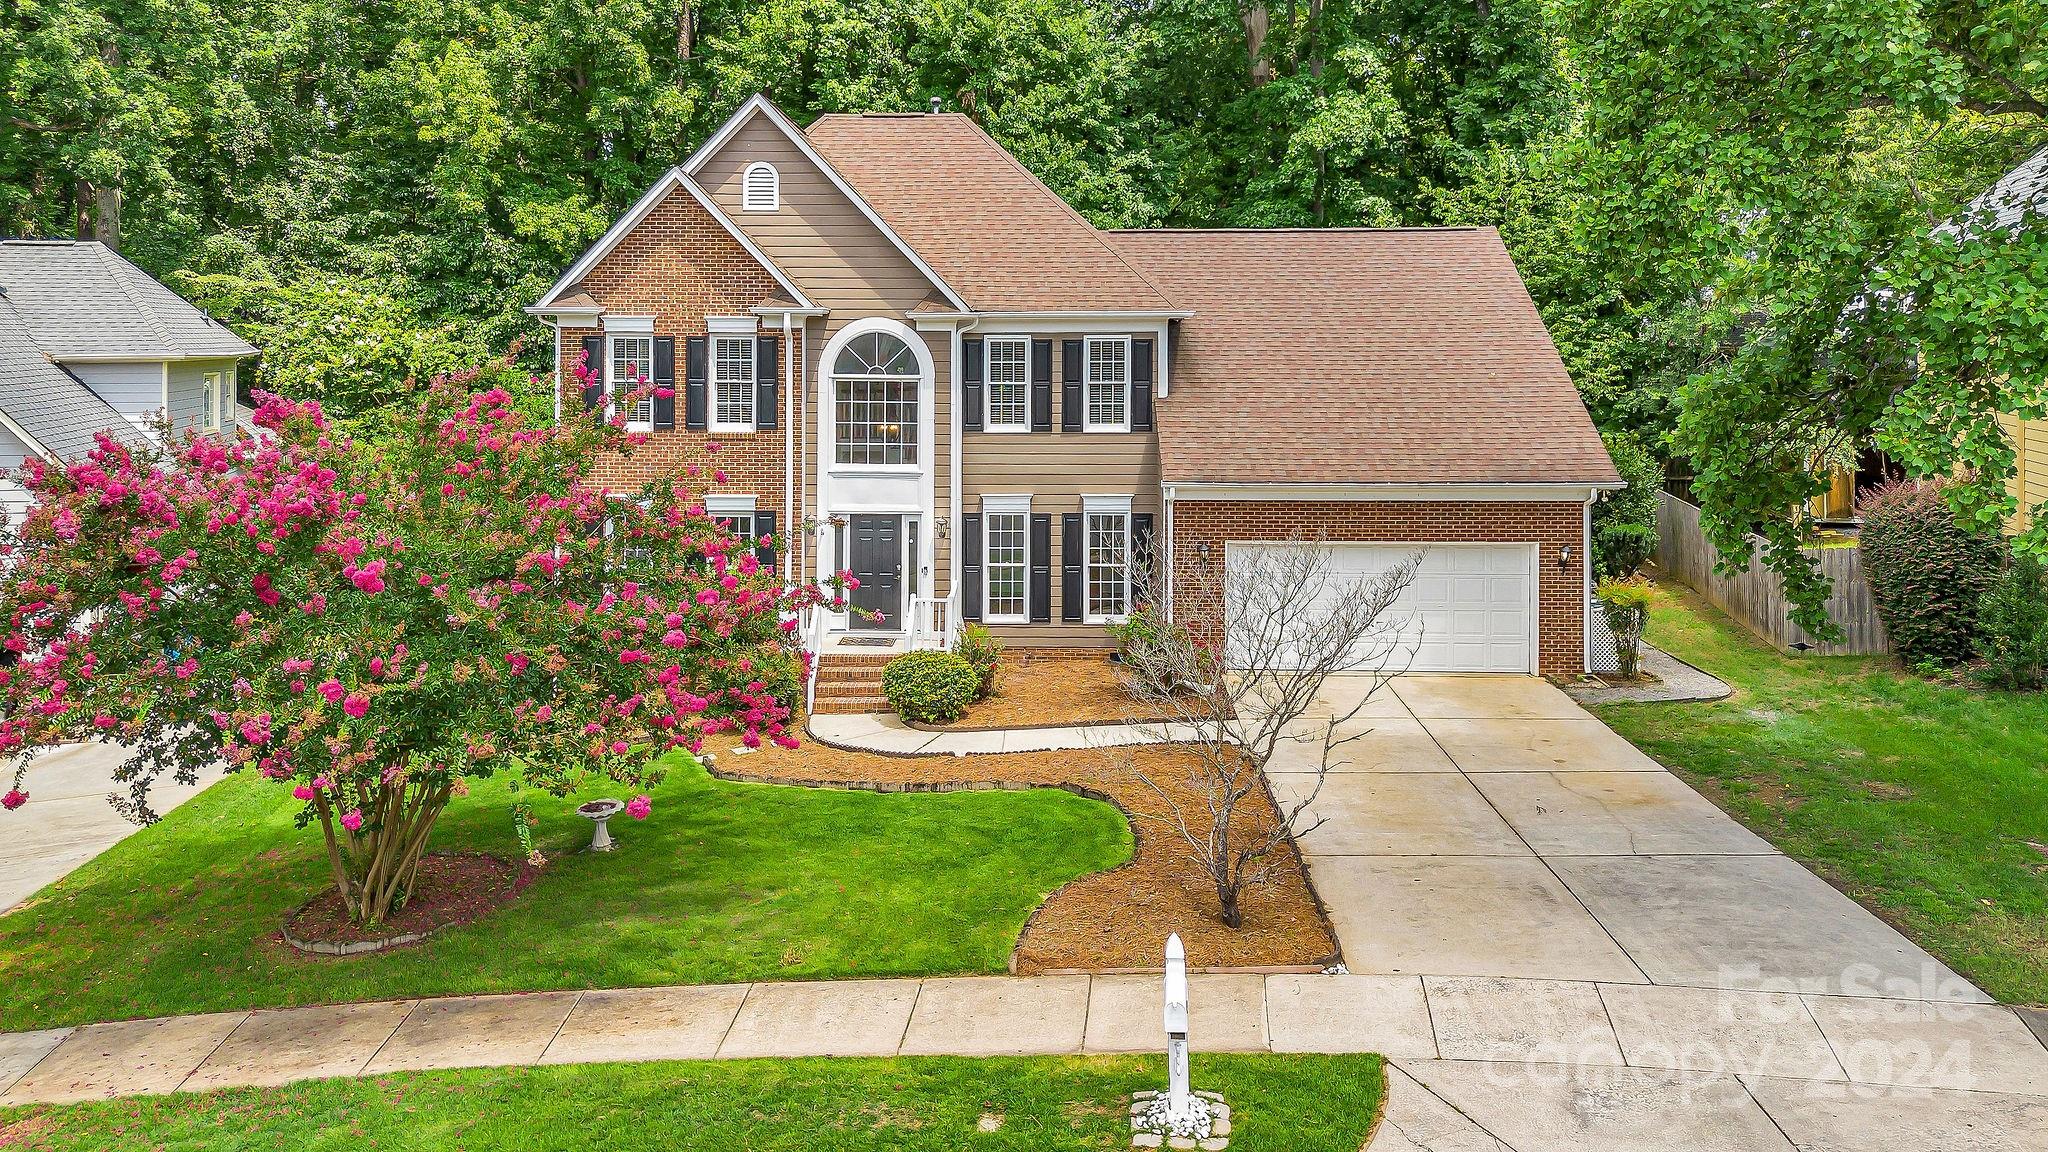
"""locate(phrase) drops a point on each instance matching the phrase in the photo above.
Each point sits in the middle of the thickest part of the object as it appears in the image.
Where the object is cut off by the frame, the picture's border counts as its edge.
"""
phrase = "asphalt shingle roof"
(2018, 195)
(1002, 239)
(43, 400)
(80, 300)
(1361, 356)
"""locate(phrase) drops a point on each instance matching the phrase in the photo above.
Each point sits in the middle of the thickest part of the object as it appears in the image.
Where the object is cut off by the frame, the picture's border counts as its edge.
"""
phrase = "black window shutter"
(1041, 385)
(971, 361)
(1070, 388)
(767, 384)
(764, 530)
(1070, 566)
(694, 356)
(593, 387)
(970, 566)
(664, 377)
(1041, 569)
(1142, 560)
(1141, 385)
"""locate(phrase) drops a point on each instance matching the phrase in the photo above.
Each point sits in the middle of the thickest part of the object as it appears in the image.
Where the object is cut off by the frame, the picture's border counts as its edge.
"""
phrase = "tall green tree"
(1794, 164)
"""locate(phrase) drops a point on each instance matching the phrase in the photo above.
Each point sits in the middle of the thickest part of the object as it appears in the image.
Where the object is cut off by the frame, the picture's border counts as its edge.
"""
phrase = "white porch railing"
(932, 621)
(815, 628)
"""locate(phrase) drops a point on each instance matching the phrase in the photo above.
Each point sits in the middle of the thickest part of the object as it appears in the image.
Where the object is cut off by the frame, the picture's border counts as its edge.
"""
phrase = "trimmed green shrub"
(1625, 523)
(979, 647)
(1927, 572)
(929, 687)
(2013, 621)
(1626, 606)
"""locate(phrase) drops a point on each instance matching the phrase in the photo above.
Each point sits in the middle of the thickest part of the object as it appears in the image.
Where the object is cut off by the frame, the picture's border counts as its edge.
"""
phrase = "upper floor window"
(1107, 383)
(732, 383)
(1009, 383)
(219, 400)
(875, 383)
(631, 367)
(761, 188)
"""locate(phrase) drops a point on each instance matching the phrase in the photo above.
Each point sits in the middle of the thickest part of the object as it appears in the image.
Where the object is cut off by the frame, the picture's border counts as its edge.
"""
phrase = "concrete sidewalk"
(892, 737)
(1535, 1064)
(67, 820)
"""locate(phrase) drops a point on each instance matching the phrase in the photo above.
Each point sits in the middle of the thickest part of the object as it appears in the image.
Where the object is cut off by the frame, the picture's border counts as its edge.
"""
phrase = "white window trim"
(748, 385)
(732, 507)
(629, 325)
(612, 333)
(732, 325)
(988, 407)
(1088, 423)
(1104, 506)
(992, 506)
(753, 201)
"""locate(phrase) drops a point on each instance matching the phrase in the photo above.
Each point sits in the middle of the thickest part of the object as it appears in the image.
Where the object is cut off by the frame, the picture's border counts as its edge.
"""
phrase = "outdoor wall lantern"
(1564, 557)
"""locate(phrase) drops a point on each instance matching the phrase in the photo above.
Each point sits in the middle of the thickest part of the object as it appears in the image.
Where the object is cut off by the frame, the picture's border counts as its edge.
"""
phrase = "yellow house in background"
(2029, 482)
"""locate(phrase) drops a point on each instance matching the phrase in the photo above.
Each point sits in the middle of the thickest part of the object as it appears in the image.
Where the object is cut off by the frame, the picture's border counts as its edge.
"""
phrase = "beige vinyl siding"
(1057, 469)
(2029, 482)
(818, 237)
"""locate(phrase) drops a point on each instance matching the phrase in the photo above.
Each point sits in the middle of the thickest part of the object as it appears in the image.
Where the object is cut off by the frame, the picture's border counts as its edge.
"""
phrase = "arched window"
(761, 188)
(875, 382)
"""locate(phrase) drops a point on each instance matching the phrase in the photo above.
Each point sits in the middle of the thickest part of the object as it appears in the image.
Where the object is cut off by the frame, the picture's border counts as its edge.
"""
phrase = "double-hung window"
(1009, 383)
(632, 368)
(732, 383)
(736, 513)
(218, 399)
(1106, 383)
(1006, 558)
(1106, 540)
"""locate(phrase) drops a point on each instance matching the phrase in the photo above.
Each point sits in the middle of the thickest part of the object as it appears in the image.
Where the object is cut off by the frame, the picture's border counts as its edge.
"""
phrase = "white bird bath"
(598, 812)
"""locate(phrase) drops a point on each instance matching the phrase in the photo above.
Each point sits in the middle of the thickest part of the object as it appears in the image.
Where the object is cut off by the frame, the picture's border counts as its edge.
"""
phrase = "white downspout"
(958, 422)
(790, 574)
(1166, 561)
(555, 372)
(1586, 582)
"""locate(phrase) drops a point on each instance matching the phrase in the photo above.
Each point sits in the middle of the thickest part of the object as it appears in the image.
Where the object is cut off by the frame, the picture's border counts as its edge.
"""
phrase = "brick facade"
(1560, 592)
(679, 266)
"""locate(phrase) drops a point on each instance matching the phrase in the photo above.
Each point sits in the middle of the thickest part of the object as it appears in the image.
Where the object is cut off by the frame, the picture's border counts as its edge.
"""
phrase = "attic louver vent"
(761, 188)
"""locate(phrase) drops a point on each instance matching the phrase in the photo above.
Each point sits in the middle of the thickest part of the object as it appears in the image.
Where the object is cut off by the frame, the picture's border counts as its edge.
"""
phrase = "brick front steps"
(850, 684)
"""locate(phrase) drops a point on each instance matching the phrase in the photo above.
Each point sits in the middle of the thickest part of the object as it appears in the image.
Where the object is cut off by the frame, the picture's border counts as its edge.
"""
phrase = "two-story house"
(919, 364)
(90, 343)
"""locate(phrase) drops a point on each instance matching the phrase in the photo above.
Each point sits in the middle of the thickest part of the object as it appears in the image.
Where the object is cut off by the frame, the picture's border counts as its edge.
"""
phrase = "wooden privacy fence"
(1756, 597)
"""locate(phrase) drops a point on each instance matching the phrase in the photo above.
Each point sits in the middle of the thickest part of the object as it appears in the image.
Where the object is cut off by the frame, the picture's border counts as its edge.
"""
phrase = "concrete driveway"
(1590, 955)
(67, 820)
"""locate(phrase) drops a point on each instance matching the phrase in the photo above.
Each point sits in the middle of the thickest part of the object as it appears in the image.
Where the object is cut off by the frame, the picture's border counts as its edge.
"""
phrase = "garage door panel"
(1469, 609)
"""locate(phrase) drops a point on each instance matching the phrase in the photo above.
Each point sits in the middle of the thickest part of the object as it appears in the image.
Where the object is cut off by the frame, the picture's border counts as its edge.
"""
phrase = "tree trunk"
(1256, 23)
(106, 216)
(375, 866)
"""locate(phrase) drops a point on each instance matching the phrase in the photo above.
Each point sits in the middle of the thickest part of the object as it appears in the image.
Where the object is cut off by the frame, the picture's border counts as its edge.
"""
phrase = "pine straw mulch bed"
(1054, 691)
(450, 890)
(1106, 921)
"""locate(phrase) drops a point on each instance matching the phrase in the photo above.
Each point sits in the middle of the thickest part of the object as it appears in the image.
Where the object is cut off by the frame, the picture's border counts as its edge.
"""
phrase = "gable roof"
(45, 405)
(566, 293)
(2018, 195)
(993, 230)
(1361, 357)
(80, 300)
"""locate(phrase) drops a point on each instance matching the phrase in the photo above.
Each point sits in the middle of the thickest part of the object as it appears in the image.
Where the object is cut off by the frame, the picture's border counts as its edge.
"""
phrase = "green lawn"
(724, 882)
(1926, 802)
(1295, 1103)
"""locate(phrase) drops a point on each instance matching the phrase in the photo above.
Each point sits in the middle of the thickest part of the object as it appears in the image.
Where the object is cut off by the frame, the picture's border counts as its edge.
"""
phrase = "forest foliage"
(1729, 214)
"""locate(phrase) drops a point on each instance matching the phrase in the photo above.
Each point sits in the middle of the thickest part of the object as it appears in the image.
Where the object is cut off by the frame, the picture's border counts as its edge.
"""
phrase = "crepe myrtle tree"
(1238, 680)
(372, 622)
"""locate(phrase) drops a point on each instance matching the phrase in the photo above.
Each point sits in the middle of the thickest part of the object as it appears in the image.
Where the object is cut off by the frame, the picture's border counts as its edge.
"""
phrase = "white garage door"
(1471, 608)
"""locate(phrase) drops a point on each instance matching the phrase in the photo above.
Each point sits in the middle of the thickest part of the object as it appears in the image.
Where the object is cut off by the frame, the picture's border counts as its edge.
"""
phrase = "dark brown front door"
(877, 562)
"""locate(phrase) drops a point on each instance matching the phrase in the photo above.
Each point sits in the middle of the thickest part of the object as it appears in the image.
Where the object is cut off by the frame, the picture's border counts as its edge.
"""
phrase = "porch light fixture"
(1202, 550)
(1564, 557)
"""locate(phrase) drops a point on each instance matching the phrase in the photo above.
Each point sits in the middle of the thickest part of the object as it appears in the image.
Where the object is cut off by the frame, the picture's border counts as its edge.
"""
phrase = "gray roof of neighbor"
(53, 408)
(80, 300)
(2020, 193)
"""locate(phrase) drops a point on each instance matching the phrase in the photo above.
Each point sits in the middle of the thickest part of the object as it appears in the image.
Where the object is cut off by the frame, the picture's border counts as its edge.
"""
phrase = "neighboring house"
(2019, 200)
(921, 365)
(140, 348)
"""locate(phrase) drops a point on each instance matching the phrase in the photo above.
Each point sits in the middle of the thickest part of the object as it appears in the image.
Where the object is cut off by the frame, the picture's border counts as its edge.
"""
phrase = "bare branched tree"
(1239, 679)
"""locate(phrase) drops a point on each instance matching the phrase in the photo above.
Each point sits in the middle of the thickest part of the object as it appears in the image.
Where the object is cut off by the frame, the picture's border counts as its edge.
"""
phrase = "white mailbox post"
(1178, 1100)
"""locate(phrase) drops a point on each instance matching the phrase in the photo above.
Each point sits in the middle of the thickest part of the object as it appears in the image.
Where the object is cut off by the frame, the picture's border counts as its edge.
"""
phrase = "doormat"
(866, 642)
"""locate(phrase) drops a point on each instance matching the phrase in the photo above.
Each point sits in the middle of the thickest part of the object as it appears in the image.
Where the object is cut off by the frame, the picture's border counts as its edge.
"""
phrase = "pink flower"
(639, 806)
(15, 798)
(543, 713)
(303, 792)
(518, 661)
(356, 705)
(352, 819)
(332, 691)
